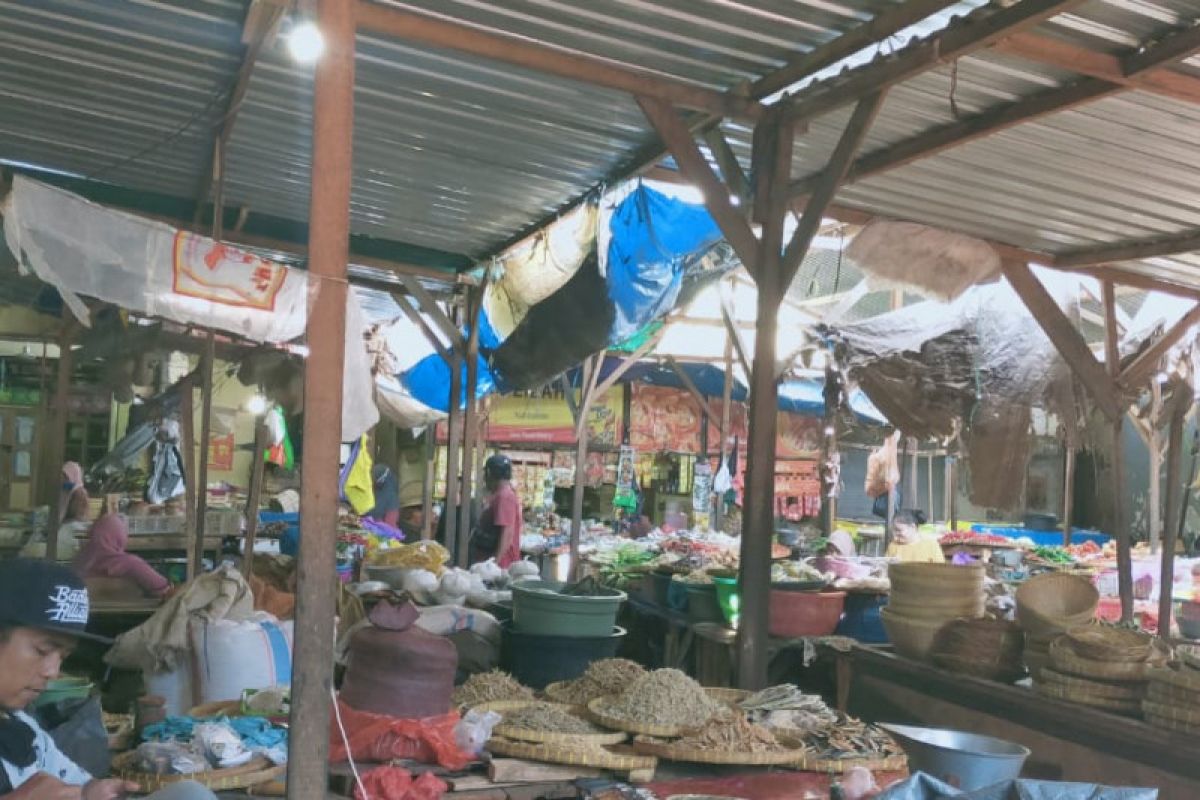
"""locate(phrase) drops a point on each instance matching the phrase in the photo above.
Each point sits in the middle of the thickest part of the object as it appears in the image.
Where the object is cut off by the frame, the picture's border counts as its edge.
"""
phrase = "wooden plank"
(201, 478)
(57, 439)
(731, 169)
(1068, 490)
(1176, 46)
(603, 386)
(929, 53)
(427, 483)
(877, 29)
(431, 309)
(1133, 250)
(470, 419)
(526, 52)
(1124, 535)
(1147, 362)
(678, 140)
(731, 328)
(1174, 508)
(591, 373)
(257, 467)
(422, 323)
(1067, 340)
(187, 446)
(1059, 53)
(329, 238)
(454, 465)
(1135, 279)
(515, 770)
(827, 186)
(726, 418)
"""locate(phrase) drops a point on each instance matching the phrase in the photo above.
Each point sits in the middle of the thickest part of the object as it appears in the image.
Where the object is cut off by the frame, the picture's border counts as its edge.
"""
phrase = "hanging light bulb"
(256, 405)
(305, 42)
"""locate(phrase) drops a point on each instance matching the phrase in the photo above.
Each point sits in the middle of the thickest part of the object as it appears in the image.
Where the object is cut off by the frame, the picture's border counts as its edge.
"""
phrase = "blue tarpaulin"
(808, 397)
(429, 379)
(653, 237)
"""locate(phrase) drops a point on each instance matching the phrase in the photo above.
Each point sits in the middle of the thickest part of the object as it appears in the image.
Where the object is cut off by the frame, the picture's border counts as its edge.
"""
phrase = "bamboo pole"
(58, 438)
(726, 419)
(1068, 491)
(427, 488)
(1112, 360)
(187, 446)
(201, 482)
(257, 467)
(470, 428)
(329, 237)
(454, 430)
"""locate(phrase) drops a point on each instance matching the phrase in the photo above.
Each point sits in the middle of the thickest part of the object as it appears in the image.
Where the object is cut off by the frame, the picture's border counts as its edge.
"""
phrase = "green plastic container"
(61, 689)
(728, 598)
(539, 609)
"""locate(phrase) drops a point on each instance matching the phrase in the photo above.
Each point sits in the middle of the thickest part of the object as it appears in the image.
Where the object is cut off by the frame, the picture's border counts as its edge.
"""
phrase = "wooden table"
(1070, 742)
(677, 645)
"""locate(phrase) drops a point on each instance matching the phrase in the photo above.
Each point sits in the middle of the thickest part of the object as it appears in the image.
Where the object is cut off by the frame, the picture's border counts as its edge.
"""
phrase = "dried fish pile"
(664, 697)
(729, 731)
(851, 738)
(548, 717)
(489, 687)
(603, 678)
(785, 707)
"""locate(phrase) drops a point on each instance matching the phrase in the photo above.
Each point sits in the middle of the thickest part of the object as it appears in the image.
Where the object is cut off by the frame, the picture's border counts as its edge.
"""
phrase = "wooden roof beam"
(1133, 250)
(1147, 361)
(1027, 109)
(433, 31)
(1042, 49)
(979, 30)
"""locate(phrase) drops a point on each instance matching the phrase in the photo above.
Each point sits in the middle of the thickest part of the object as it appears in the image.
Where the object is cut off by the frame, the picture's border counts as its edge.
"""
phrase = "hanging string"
(954, 89)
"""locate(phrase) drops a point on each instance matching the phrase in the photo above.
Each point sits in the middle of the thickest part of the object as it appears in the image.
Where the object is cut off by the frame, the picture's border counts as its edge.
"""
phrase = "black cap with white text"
(44, 595)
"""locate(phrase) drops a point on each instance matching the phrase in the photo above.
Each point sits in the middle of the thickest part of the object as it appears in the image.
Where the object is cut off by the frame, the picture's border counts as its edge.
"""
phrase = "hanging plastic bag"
(723, 481)
(357, 487)
(167, 479)
(379, 738)
(883, 468)
(472, 731)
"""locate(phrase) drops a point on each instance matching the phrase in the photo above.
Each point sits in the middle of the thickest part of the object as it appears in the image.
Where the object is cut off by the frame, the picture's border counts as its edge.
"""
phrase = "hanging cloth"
(357, 487)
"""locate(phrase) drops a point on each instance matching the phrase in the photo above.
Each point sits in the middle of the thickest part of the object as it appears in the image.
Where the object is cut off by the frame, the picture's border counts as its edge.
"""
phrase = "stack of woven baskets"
(1048, 606)
(1100, 666)
(1173, 695)
(984, 648)
(924, 598)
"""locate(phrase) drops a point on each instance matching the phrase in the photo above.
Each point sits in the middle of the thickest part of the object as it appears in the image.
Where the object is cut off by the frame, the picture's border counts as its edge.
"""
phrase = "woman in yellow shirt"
(908, 545)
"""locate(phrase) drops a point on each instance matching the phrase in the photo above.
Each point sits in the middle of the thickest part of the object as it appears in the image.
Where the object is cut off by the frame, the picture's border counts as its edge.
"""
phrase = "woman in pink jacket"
(104, 556)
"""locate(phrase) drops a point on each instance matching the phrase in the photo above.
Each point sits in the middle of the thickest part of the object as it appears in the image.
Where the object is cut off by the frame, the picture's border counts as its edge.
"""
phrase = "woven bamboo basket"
(1189, 656)
(1181, 679)
(1131, 707)
(1065, 660)
(1116, 690)
(1180, 715)
(597, 714)
(1168, 695)
(1106, 643)
(1055, 602)
(730, 697)
(917, 608)
(556, 692)
(984, 648)
(530, 735)
(572, 754)
(252, 773)
(675, 752)
(935, 581)
(912, 638)
(840, 765)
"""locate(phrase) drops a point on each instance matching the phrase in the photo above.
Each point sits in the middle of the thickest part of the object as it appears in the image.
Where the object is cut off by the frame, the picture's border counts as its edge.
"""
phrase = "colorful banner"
(663, 419)
(547, 420)
(798, 436)
(220, 452)
(738, 423)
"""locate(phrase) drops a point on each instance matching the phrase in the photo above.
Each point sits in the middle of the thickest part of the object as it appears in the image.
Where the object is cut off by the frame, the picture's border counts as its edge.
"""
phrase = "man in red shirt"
(499, 532)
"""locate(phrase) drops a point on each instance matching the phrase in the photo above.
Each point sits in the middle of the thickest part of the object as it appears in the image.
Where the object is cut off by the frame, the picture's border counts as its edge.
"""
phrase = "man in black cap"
(43, 612)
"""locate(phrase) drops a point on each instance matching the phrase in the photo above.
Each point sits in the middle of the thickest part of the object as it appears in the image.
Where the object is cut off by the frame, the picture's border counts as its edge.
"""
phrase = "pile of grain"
(603, 678)
(729, 731)
(488, 687)
(549, 718)
(665, 697)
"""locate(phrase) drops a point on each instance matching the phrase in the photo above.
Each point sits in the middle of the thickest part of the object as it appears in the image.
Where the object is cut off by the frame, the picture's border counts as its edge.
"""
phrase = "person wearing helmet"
(499, 533)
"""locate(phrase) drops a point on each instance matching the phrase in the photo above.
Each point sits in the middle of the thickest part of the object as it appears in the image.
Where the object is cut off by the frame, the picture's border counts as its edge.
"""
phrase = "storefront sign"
(547, 420)
(663, 419)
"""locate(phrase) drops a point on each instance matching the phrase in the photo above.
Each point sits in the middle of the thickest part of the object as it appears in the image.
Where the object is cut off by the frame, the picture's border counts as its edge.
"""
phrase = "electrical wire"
(337, 713)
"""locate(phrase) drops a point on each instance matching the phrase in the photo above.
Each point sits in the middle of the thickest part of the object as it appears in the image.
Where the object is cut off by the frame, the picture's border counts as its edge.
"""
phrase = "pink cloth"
(73, 498)
(503, 510)
(104, 556)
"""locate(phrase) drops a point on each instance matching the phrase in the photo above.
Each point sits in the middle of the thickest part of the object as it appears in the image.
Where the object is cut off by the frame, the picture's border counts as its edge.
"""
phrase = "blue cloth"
(169, 730)
(258, 732)
(653, 239)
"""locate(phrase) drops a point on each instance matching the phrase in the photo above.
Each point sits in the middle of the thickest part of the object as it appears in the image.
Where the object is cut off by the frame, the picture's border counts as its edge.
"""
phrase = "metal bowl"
(966, 761)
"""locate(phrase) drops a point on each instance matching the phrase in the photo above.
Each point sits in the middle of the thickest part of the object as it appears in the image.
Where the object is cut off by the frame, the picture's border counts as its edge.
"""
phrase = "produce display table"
(1070, 742)
(677, 644)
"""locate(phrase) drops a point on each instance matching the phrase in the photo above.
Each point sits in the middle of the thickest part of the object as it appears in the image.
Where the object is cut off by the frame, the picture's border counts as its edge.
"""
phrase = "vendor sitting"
(908, 544)
(43, 612)
(72, 517)
(104, 556)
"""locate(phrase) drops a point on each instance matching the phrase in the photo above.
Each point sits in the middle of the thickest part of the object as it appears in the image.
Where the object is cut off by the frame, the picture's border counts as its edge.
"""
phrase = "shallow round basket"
(828, 766)
(694, 755)
(1177, 714)
(598, 714)
(1055, 602)
(1106, 643)
(220, 708)
(531, 735)
(934, 581)
(1179, 679)
(1065, 660)
(912, 638)
(252, 773)
(952, 608)
(1132, 707)
(1116, 690)
(572, 754)
(1168, 695)
(556, 692)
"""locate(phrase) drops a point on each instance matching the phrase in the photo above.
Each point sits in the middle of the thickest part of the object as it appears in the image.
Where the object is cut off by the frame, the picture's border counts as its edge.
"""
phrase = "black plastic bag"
(77, 727)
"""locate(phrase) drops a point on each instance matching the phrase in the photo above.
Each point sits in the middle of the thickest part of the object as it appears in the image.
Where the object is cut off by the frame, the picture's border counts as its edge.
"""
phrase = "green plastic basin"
(728, 598)
(539, 608)
(64, 689)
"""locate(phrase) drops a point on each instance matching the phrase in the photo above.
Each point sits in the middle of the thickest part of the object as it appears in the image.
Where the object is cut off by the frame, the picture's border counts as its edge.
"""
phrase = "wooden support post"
(829, 451)
(1154, 446)
(588, 378)
(929, 474)
(470, 421)
(257, 467)
(58, 438)
(427, 487)
(726, 417)
(187, 446)
(1149, 360)
(1112, 358)
(329, 237)
(1068, 511)
(731, 328)
(954, 493)
(454, 466)
(1175, 510)
(201, 482)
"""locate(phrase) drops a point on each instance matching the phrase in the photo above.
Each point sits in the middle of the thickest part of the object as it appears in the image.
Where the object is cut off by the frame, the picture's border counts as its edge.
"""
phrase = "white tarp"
(81, 248)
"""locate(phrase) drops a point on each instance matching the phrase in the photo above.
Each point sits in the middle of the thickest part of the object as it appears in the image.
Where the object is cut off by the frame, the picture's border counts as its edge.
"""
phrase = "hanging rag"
(357, 486)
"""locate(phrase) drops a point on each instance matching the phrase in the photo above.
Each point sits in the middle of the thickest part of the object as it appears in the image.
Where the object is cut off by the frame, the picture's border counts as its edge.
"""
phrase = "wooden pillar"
(427, 487)
(328, 250)
(726, 418)
(257, 467)
(51, 472)
(1175, 511)
(1112, 359)
(470, 425)
(187, 447)
(589, 376)
(201, 481)
(454, 429)
(832, 396)
(1068, 489)
(952, 463)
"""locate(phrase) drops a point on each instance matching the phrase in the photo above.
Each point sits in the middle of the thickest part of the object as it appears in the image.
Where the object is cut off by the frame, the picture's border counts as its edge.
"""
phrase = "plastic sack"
(233, 656)
(925, 787)
(883, 468)
(447, 619)
(375, 737)
(397, 783)
(472, 731)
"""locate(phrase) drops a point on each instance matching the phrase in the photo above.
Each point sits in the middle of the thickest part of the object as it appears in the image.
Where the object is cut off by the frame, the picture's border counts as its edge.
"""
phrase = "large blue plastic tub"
(289, 542)
(861, 620)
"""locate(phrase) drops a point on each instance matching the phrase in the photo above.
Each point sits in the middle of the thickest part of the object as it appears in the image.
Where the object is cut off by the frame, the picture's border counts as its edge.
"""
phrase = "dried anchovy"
(548, 717)
(664, 697)
(730, 731)
(785, 696)
(488, 687)
(603, 678)
(851, 738)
